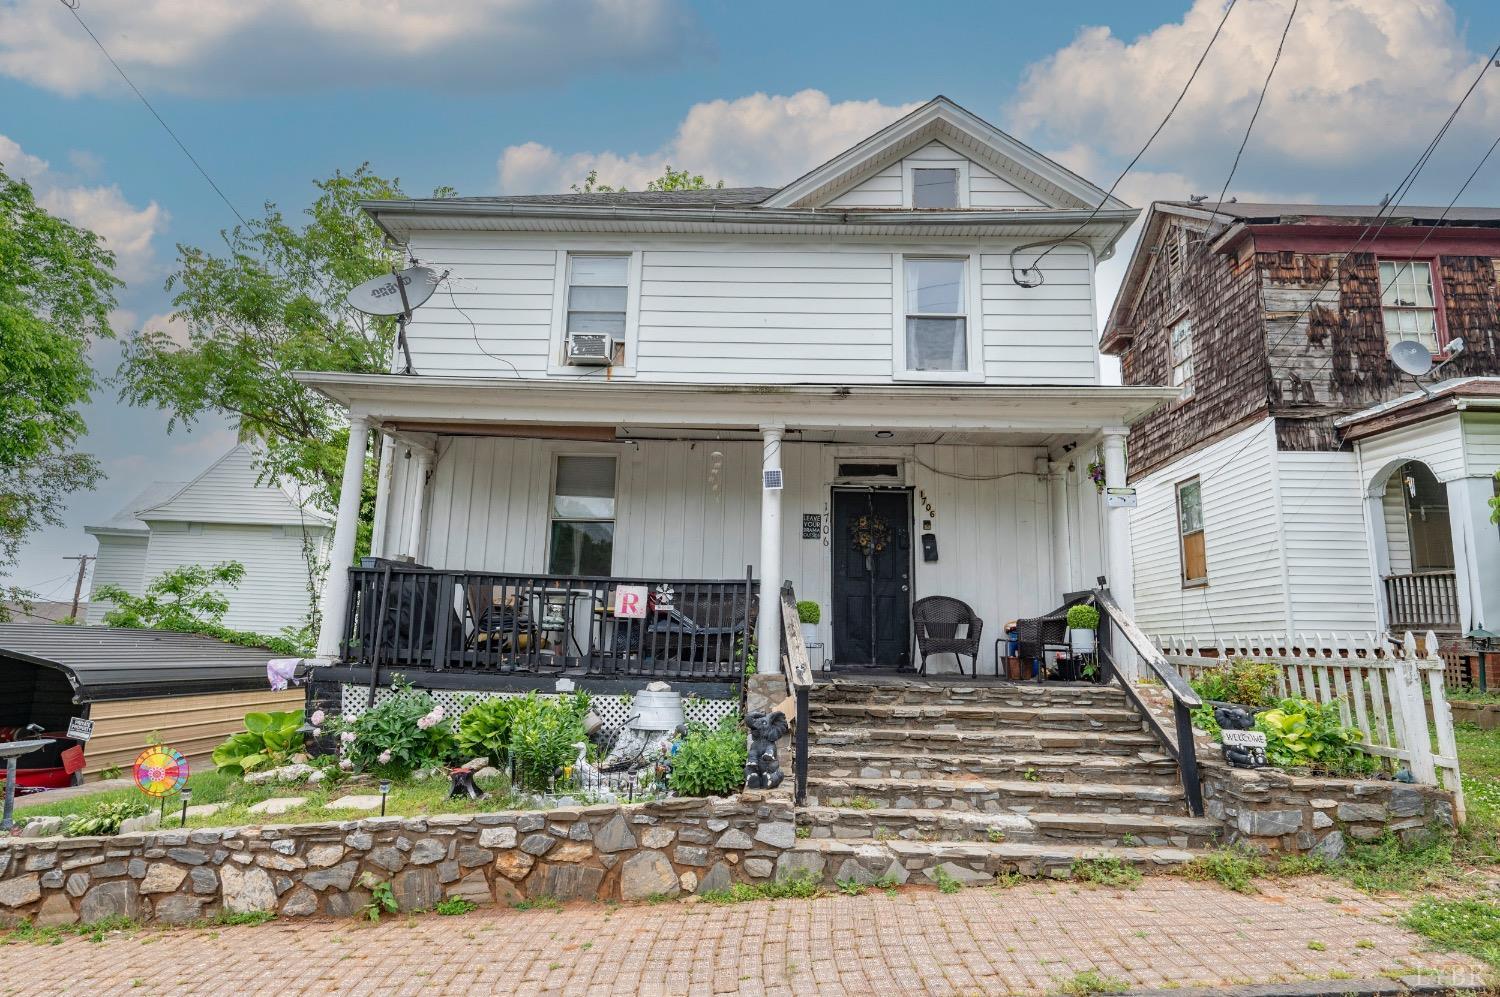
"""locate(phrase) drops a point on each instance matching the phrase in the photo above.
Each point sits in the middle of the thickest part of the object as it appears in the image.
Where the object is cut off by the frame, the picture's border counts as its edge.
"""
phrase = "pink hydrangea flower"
(317, 732)
(317, 718)
(437, 714)
(384, 758)
(346, 765)
(347, 737)
(424, 722)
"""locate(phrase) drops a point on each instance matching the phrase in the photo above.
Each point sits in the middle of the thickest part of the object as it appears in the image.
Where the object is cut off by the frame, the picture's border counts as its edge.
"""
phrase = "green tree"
(271, 304)
(670, 179)
(190, 599)
(56, 292)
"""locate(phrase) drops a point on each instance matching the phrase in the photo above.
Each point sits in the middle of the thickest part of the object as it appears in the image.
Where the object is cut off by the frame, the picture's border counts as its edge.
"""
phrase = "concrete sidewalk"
(1032, 938)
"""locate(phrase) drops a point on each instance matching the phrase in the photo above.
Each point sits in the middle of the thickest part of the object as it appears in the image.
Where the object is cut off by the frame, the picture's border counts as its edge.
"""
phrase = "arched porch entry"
(1414, 548)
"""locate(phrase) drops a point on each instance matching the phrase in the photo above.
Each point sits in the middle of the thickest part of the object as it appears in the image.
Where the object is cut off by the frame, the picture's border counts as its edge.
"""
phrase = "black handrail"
(1179, 743)
(799, 678)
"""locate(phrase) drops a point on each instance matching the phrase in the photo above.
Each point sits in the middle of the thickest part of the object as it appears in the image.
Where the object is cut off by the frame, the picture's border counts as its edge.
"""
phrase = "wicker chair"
(937, 620)
(1037, 635)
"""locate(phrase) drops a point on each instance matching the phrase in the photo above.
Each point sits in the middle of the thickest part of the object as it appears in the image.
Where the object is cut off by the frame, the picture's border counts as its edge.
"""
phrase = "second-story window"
(1182, 356)
(937, 336)
(597, 293)
(1407, 302)
(934, 188)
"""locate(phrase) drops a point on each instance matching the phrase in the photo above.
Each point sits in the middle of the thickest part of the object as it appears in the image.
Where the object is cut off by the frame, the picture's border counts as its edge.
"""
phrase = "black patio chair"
(1036, 635)
(938, 620)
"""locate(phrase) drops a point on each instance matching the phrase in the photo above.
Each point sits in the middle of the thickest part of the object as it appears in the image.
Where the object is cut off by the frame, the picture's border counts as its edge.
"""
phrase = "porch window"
(937, 336)
(582, 537)
(1427, 522)
(597, 292)
(934, 188)
(1190, 531)
(1407, 302)
(1182, 356)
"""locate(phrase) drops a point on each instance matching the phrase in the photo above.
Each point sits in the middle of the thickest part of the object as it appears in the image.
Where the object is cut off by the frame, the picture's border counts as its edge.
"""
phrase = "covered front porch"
(621, 530)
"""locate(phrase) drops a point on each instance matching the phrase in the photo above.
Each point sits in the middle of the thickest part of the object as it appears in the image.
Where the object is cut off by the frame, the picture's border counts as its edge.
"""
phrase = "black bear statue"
(762, 770)
(1244, 756)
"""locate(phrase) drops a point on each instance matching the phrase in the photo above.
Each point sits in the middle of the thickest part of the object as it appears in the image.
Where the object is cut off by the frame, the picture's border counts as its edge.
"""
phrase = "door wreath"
(870, 534)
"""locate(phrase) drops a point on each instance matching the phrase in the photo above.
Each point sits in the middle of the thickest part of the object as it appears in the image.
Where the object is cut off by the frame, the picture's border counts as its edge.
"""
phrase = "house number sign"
(812, 526)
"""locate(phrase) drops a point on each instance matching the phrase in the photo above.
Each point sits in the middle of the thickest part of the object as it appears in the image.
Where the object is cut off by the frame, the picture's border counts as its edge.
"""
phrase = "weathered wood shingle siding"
(1222, 297)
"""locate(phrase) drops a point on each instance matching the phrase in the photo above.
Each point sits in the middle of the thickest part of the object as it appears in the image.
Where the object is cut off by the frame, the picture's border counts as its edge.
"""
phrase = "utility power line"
(1276, 61)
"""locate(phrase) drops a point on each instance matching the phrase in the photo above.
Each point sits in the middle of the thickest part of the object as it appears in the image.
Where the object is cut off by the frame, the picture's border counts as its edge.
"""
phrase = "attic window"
(934, 188)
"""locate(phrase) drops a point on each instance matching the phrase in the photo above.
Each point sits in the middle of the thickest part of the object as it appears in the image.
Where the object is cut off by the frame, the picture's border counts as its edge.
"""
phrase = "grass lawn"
(411, 798)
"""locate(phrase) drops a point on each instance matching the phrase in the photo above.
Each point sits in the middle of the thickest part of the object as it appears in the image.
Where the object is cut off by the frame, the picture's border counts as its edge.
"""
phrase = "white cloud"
(170, 323)
(231, 46)
(127, 230)
(1361, 87)
(756, 140)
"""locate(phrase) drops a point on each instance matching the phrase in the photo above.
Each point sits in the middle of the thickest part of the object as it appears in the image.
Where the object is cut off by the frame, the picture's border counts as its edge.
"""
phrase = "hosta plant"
(1301, 733)
(268, 740)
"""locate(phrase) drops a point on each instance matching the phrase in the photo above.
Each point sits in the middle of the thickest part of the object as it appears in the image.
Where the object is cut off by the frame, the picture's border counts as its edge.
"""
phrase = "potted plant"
(810, 614)
(1083, 620)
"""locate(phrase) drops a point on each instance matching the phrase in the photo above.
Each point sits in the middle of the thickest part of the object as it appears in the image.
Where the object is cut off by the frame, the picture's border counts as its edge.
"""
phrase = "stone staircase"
(907, 776)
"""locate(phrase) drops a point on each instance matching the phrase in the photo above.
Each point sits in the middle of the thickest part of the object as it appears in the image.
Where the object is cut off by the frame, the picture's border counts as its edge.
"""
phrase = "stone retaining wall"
(616, 852)
(1271, 811)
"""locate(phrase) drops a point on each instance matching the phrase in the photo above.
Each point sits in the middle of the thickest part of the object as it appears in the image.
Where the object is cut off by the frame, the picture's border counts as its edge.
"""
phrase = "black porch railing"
(405, 617)
(1177, 742)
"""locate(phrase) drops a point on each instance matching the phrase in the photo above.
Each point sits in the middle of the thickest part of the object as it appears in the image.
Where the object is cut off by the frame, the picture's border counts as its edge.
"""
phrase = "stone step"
(948, 692)
(1141, 769)
(865, 860)
(996, 796)
(978, 717)
(1114, 830)
(827, 736)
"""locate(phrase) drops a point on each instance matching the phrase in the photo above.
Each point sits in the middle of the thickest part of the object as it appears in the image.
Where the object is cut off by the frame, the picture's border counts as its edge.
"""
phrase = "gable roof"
(125, 521)
(940, 119)
(229, 491)
(708, 197)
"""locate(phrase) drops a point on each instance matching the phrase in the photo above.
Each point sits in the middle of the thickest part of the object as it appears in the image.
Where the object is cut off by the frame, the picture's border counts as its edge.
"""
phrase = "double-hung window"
(937, 334)
(1407, 302)
(1182, 356)
(1190, 532)
(598, 287)
(582, 537)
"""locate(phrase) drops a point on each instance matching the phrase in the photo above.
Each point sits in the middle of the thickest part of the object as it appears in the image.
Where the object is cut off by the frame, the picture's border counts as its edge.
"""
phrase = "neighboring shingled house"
(224, 514)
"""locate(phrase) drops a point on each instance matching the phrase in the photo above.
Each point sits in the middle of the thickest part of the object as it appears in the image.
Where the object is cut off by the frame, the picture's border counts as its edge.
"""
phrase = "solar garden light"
(187, 795)
(385, 790)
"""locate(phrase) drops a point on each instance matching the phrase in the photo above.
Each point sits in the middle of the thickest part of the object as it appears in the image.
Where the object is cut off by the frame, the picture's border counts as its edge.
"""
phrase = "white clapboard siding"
(488, 510)
(1245, 590)
(1327, 547)
(767, 311)
(274, 592)
(121, 561)
(1438, 443)
(228, 492)
(885, 189)
(1397, 530)
(1482, 442)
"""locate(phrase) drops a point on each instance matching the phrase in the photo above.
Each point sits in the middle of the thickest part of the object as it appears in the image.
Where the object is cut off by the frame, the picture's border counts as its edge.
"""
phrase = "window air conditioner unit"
(591, 348)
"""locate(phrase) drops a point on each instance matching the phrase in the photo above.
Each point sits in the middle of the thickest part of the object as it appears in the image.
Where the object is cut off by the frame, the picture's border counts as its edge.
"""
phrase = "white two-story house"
(630, 409)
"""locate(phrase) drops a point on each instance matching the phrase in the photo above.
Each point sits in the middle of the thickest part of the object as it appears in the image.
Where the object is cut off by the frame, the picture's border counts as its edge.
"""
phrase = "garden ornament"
(1245, 756)
(762, 771)
(464, 785)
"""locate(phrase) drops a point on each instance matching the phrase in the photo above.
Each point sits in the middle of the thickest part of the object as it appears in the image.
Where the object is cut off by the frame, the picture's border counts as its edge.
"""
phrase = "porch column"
(418, 503)
(1121, 578)
(382, 494)
(768, 623)
(1062, 537)
(1476, 552)
(336, 589)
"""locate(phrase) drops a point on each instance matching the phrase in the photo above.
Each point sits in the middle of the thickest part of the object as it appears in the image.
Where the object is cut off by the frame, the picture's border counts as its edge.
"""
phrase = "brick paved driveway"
(1027, 939)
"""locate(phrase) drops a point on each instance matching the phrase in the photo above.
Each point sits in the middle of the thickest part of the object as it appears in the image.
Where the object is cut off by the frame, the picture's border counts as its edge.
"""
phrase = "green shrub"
(484, 728)
(405, 733)
(543, 733)
(1299, 732)
(267, 741)
(105, 818)
(1251, 683)
(710, 761)
(809, 611)
(1083, 617)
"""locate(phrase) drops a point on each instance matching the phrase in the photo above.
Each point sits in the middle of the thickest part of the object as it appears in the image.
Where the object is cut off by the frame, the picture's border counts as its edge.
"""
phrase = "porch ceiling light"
(883, 434)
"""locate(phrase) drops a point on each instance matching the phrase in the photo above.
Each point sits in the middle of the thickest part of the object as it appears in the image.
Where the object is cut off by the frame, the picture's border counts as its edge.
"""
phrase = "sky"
(525, 96)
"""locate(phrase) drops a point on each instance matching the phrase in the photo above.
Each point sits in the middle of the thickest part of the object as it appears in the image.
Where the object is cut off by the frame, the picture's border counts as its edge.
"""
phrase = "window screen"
(934, 188)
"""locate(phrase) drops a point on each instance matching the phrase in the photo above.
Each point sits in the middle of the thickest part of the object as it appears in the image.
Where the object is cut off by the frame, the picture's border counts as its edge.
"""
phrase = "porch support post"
(336, 589)
(1117, 521)
(1062, 539)
(382, 494)
(418, 503)
(1476, 552)
(768, 622)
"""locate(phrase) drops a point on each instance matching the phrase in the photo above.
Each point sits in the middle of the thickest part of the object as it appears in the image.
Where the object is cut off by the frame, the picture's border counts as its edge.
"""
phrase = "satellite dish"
(385, 296)
(1411, 357)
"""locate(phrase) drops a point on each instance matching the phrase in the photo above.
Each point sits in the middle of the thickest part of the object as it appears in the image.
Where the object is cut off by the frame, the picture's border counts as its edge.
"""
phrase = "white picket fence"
(1377, 685)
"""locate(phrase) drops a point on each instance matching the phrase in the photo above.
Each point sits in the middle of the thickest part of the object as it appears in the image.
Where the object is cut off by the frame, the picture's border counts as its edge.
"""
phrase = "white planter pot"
(1082, 640)
(809, 633)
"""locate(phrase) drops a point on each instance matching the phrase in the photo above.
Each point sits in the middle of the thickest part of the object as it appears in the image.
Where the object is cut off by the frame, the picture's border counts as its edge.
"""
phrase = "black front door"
(872, 578)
